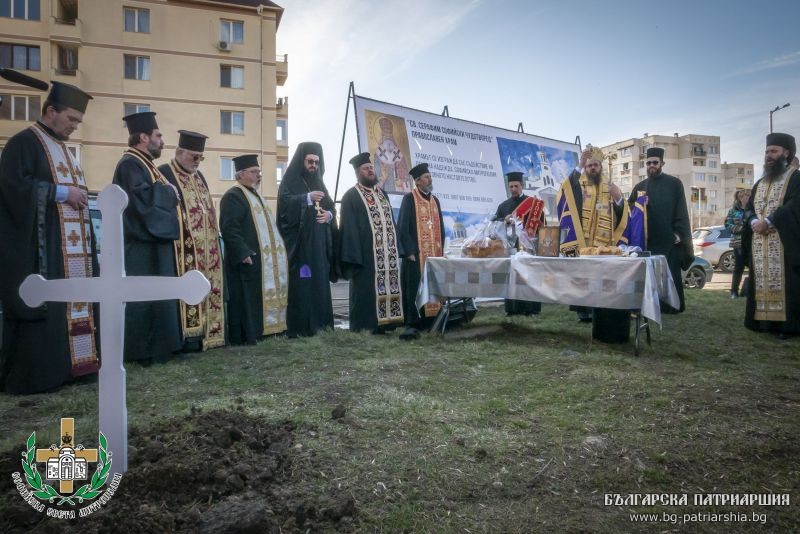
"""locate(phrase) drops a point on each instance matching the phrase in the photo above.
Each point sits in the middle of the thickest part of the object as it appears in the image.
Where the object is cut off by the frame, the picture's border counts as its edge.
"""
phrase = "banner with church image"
(468, 161)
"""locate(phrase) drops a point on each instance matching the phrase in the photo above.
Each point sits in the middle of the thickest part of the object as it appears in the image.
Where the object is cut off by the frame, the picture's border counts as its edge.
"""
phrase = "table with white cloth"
(627, 283)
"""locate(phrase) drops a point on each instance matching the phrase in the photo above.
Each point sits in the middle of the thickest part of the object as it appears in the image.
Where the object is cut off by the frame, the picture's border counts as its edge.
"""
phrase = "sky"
(606, 71)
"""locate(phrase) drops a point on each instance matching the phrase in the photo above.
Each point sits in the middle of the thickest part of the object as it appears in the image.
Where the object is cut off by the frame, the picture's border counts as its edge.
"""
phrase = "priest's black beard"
(777, 169)
(311, 178)
(594, 178)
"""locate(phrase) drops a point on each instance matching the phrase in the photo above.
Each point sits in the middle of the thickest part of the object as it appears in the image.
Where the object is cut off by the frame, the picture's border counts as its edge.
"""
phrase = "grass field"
(524, 430)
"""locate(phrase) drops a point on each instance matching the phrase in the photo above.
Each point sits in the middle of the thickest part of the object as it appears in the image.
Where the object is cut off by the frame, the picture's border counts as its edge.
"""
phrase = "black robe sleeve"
(151, 214)
(27, 195)
(441, 220)
(407, 244)
(351, 234)
(786, 219)
(682, 226)
(234, 213)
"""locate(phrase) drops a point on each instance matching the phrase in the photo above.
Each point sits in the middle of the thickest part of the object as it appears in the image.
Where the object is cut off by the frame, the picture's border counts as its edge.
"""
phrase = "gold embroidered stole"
(76, 252)
(274, 263)
(388, 295)
(769, 276)
(199, 249)
(597, 215)
(429, 237)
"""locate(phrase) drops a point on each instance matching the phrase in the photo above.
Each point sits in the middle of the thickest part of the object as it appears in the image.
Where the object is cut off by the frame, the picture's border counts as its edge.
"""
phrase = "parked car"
(713, 243)
(698, 273)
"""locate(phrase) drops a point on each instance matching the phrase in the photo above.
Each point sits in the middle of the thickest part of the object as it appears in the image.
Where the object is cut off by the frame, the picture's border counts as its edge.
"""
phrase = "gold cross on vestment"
(73, 238)
(62, 169)
(67, 440)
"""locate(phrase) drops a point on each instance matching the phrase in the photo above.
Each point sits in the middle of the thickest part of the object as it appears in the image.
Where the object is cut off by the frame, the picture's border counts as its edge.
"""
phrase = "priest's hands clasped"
(77, 198)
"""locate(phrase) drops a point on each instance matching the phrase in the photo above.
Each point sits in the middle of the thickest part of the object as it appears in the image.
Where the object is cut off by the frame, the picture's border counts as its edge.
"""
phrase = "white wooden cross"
(112, 289)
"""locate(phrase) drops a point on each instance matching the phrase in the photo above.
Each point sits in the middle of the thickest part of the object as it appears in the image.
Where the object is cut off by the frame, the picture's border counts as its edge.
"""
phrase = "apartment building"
(736, 176)
(693, 158)
(205, 65)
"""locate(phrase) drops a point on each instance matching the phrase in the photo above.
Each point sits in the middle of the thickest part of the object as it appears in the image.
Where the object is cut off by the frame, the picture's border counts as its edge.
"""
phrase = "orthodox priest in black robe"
(256, 266)
(45, 229)
(203, 324)
(307, 223)
(669, 231)
(504, 213)
(420, 235)
(150, 226)
(368, 253)
(773, 236)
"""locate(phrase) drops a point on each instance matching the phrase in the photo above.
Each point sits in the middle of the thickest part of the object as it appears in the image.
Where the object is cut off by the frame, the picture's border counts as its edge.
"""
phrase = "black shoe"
(409, 334)
(734, 295)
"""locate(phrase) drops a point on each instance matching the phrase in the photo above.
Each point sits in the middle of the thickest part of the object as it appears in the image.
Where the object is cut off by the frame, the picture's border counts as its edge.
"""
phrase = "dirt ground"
(216, 472)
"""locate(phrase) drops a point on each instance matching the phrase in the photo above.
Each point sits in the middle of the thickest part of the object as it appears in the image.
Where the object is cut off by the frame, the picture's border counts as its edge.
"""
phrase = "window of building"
(641, 164)
(712, 177)
(712, 163)
(231, 31)
(699, 163)
(20, 107)
(232, 122)
(226, 169)
(749, 172)
(712, 193)
(712, 207)
(644, 149)
(129, 108)
(280, 168)
(231, 76)
(67, 60)
(66, 12)
(699, 177)
(281, 134)
(136, 20)
(626, 166)
(625, 151)
(713, 149)
(20, 57)
(20, 9)
(740, 171)
(137, 67)
(75, 150)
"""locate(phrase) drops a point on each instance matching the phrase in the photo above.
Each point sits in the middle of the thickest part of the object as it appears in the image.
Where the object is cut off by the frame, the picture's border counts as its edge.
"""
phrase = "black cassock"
(786, 219)
(245, 313)
(35, 356)
(516, 307)
(357, 261)
(150, 225)
(310, 248)
(408, 245)
(667, 215)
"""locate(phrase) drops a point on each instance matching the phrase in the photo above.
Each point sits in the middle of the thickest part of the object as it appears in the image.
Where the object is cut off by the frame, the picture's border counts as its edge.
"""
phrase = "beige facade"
(694, 159)
(737, 176)
(207, 66)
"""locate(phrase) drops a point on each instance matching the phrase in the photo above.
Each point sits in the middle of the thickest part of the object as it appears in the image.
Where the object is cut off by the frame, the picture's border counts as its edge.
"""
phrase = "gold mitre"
(596, 153)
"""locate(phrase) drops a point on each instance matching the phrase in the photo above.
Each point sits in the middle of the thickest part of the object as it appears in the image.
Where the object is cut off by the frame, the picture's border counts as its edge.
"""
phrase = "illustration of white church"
(545, 178)
(66, 466)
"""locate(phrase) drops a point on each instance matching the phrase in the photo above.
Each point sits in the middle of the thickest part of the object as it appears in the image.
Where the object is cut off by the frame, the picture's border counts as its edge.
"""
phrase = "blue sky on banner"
(606, 71)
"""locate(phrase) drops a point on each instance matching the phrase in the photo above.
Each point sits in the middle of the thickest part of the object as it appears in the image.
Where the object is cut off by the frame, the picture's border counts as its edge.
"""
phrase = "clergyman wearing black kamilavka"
(504, 211)
(45, 229)
(668, 227)
(420, 235)
(150, 226)
(307, 223)
(773, 233)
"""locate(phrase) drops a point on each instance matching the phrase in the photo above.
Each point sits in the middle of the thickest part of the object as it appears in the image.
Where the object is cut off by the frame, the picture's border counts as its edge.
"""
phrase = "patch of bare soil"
(215, 472)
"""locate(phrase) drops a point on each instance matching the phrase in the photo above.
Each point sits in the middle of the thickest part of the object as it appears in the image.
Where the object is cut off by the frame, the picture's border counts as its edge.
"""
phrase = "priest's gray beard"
(776, 169)
(427, 190)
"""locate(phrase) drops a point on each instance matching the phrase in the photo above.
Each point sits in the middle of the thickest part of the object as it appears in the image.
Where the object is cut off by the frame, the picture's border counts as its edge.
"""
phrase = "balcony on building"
(282, 107)
(281, 68)
(65, 12)
(66, 59)
(698, 150)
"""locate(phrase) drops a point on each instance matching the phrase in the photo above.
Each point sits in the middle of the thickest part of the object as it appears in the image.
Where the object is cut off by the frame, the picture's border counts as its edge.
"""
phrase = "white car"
(713, 243)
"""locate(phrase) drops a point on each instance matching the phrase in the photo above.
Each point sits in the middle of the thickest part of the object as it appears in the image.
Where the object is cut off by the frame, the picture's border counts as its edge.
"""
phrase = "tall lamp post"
(777, 108)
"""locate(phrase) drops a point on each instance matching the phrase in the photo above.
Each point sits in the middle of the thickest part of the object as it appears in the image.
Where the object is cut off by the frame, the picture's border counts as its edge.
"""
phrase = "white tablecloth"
(595, 281)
